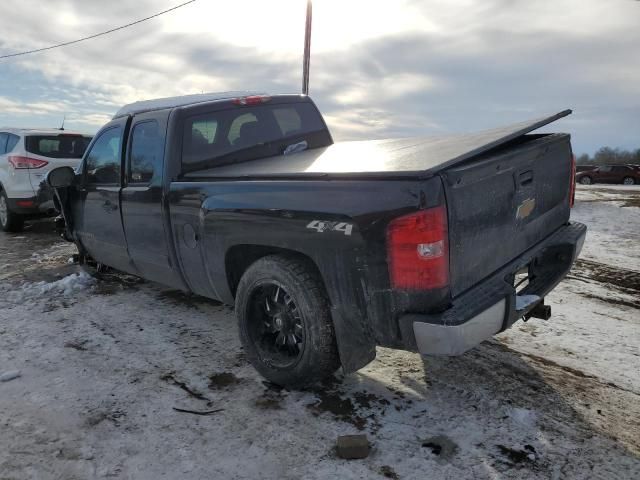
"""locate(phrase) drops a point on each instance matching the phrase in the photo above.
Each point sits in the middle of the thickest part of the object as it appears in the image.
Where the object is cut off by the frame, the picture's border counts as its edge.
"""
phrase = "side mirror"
(61, 177)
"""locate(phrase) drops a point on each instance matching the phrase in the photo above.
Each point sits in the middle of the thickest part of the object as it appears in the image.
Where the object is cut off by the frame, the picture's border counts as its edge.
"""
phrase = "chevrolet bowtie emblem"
(525, 208)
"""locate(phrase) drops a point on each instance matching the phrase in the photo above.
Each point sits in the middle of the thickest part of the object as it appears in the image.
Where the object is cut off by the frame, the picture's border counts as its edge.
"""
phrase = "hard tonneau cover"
(406, 156)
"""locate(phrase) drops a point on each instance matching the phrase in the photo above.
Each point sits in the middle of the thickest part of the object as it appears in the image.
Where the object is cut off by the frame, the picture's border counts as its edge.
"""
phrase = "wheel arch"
(356, 346)
(240, 257)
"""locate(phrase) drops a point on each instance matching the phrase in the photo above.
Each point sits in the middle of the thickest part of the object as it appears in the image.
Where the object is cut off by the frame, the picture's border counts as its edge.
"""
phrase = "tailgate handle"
(525, 178)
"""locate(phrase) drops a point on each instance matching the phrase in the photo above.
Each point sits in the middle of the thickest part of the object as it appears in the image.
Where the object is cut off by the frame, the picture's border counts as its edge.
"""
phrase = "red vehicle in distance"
(624, 174)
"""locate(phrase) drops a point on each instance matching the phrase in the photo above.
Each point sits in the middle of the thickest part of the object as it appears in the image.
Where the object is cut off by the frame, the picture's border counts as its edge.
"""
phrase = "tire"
(586, 181)
(285, 322)
(9, 221)
(628, 181)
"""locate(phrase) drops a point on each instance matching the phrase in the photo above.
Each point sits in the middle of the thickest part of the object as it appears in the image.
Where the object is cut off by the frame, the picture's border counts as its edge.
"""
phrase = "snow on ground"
(66, 286)
(612, 213)
(104, 367)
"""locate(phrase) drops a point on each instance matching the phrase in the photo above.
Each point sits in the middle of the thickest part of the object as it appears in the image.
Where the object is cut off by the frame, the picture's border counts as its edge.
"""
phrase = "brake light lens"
(418, 250)
(26, 162)
(572, 186)
(251, 100)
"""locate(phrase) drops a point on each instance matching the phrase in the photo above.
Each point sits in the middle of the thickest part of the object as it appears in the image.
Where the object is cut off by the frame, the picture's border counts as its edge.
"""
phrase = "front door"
(605, 174)
(100, 224)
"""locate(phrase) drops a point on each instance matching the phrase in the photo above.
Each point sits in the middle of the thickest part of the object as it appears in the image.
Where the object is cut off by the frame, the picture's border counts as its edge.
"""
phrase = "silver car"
(26, 156)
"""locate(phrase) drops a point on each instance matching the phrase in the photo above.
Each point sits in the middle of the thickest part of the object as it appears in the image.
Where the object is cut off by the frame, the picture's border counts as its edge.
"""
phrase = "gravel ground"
(112, 369)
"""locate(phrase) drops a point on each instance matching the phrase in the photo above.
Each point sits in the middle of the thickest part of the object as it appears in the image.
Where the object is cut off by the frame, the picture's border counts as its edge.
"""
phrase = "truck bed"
(423, 156)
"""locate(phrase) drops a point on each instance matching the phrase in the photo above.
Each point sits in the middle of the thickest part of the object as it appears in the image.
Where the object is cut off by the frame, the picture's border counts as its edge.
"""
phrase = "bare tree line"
(610, 156)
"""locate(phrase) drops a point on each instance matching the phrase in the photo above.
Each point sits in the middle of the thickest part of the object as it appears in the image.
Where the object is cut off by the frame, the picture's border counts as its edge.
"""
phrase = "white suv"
(25, 158)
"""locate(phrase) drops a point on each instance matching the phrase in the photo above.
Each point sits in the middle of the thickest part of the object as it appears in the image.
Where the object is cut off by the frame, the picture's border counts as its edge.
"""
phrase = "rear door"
(620, 172)
(605, 174)
(99, 222)
(143, 207)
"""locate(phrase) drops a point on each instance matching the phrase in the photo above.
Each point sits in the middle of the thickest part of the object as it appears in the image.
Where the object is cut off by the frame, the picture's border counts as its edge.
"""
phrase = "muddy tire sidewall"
(319, 356)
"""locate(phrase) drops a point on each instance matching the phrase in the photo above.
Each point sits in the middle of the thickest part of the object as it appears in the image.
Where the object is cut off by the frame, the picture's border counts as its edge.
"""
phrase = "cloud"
(378, 68)
(29, 108)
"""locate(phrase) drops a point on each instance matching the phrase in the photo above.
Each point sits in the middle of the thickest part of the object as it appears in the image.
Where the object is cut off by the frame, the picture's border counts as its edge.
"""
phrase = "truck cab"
(121, 207)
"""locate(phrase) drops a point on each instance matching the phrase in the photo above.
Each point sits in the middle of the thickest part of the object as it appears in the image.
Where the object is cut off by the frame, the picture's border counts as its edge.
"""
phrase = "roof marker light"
(251, 100)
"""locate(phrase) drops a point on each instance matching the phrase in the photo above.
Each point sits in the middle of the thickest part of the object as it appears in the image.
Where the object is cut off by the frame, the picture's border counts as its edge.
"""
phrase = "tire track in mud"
(572, 371)
(619, 279)
(566, 396)
(611, 410)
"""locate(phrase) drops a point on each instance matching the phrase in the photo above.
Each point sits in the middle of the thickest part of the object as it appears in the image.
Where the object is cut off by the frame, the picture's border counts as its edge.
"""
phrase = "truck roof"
(180, 101)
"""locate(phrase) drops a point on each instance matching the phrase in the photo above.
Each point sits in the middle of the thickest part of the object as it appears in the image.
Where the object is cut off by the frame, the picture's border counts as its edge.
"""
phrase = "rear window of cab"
(245, 133)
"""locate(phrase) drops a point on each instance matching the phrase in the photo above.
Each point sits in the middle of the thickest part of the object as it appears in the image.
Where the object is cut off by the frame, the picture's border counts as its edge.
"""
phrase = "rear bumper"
(492, 306)
(38, 205)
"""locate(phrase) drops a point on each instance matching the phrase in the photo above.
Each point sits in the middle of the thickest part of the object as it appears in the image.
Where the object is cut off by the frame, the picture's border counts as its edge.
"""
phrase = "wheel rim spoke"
(276, 325)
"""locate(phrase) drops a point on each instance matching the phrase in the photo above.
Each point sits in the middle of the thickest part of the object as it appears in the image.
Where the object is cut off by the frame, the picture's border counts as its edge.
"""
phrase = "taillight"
(251, 100)
(26, 162)
(572, 186)
(418, 250)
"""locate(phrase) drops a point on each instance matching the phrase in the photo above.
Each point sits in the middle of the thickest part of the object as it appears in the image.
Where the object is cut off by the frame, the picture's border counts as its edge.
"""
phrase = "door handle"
(107, 206)
(525, 178)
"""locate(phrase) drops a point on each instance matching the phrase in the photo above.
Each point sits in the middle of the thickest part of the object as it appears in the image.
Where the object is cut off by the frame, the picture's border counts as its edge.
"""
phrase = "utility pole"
(307, 50)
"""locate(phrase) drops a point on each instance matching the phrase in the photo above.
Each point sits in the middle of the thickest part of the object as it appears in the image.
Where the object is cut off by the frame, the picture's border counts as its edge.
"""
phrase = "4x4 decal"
(323, 226)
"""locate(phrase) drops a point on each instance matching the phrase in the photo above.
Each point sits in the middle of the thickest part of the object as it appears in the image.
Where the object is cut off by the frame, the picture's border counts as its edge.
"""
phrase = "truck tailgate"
(503, 202)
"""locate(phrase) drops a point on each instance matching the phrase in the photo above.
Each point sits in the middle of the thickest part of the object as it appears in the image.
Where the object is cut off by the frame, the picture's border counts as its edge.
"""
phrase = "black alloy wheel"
(285, 321)
(275, 325)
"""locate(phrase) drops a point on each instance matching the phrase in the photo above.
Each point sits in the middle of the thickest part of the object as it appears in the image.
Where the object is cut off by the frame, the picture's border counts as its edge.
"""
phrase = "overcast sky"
(378, 69)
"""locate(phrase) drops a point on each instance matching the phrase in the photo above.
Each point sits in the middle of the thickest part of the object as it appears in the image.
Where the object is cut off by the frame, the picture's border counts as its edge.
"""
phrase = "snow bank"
(65, 286)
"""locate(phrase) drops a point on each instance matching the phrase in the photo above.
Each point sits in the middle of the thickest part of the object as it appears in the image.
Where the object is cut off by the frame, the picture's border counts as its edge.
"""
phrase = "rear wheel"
(285, 322)
(628, 181)
(9, 221)
(586, 181)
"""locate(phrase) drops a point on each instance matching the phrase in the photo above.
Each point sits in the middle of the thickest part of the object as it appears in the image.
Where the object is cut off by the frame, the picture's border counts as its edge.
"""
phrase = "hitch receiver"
(540, 311)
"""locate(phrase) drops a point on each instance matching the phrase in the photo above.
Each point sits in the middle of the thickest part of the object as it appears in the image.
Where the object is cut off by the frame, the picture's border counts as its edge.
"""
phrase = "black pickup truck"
(327, 250)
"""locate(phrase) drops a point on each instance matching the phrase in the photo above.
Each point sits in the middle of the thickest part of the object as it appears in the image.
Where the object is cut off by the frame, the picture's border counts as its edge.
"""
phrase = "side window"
(604, 169)
(3, 143)
(12, 142)
(103, 161)
(146, 155)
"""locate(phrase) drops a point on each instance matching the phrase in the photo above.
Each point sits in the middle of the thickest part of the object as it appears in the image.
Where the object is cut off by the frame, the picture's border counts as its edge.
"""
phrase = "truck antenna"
(307, 50)
(62, 126)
